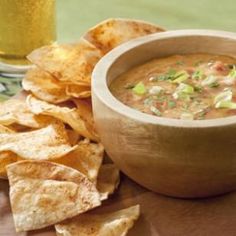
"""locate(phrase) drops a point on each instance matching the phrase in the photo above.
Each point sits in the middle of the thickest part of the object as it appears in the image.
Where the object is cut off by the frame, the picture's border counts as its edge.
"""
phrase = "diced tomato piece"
(219, 66)
(190, 70)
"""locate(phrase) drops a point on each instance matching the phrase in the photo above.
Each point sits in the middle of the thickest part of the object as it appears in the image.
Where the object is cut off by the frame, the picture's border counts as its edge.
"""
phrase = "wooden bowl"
(174, 157)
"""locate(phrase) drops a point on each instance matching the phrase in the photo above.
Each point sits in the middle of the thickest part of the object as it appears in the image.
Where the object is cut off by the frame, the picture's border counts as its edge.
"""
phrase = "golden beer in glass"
(24, 26)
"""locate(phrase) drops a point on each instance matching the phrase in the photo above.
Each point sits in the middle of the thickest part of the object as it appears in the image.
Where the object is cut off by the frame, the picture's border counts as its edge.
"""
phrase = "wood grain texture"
(174, 157)
(160, 215)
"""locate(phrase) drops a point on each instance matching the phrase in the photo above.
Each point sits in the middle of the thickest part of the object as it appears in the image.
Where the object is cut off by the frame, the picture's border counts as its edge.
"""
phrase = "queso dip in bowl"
(165, 109)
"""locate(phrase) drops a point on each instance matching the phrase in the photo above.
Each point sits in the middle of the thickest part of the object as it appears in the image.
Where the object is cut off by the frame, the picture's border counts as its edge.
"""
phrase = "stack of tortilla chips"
(49, 149)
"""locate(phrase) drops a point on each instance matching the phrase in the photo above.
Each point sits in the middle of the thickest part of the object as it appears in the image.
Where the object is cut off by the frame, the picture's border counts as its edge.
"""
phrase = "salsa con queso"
(189, 87)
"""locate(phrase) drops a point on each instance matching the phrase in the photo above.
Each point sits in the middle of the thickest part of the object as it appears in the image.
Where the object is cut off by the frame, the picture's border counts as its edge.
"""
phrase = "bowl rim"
(101, 90)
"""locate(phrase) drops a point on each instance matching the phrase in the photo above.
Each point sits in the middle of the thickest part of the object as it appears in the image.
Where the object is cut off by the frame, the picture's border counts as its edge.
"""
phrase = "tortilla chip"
(43, 144)
(86, 158)
(113, 32)
(4, 129)
(84, 108)
(16, 111)
(109, 224)
(73, 136)
(78, 91)
(42, 85)
(68, 115)
(72, 63)
(108, 180)
(19, 128)
(44, 193)
(6, 158)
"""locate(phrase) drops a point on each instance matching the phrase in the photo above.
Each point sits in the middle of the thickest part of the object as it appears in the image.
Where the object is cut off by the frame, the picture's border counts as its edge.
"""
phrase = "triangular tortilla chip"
(44, 193)
(86, 158)
(78, 91)
(43, 144)
(72, 63)
(73, 136)
(42, 85)
(6, 157)
(68, 115)
(16, 111)
(113, 32)
(84, 108)
(108, 180)
(109, 224)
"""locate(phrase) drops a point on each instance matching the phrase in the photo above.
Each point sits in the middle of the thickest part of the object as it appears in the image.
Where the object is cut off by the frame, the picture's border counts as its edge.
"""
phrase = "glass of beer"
(24, 26)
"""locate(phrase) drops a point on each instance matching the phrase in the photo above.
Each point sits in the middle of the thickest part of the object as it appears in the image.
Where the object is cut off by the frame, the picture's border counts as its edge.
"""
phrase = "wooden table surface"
(160, 215)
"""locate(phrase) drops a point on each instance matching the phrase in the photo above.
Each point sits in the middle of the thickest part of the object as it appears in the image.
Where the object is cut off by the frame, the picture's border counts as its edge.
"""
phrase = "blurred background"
(74, 17)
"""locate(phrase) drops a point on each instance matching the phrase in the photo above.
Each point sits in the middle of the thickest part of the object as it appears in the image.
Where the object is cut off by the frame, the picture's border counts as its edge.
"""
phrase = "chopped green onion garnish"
(180, 76)
(226, 104)
(163, 77)
(183, 91)
(224, 96)
(168, 76)
(231, 66)
(232, 73)
(171, 72)
(155, 111)
(197, 74)
(214, 85)
(209, 81)
(198, 88)
(139, 89)
(171, 104)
